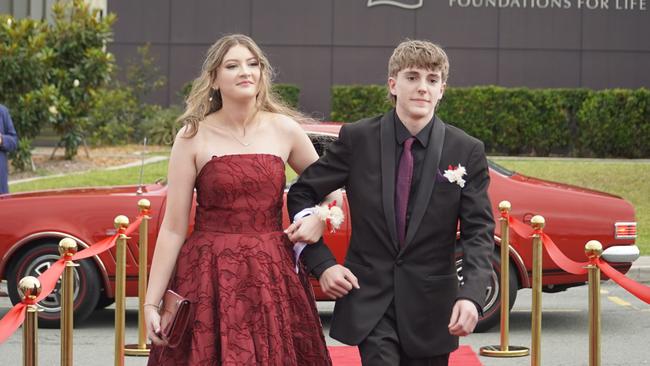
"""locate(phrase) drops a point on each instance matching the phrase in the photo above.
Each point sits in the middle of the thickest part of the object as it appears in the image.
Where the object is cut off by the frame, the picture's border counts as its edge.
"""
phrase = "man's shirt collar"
(402, 133)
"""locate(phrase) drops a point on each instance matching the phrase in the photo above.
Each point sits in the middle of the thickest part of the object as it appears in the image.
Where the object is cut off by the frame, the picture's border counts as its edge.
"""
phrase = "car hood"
(89, 191)
(559, 186)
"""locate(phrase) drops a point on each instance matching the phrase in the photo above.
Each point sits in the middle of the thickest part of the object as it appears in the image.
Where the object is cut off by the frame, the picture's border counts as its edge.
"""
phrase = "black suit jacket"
(420, 277)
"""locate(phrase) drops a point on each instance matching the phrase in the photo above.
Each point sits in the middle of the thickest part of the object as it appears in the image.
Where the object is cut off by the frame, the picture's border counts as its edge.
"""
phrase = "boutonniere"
(455, 174)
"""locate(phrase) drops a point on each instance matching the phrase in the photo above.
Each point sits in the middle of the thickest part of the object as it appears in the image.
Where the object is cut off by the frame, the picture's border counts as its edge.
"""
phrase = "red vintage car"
(36, 221)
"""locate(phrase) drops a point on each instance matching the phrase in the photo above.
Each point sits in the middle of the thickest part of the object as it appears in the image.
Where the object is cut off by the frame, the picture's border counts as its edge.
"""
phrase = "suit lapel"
(388, 173)
(427, 178)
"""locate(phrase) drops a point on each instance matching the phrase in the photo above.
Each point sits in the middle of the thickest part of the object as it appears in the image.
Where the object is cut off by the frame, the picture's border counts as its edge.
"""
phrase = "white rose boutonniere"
(455, 174)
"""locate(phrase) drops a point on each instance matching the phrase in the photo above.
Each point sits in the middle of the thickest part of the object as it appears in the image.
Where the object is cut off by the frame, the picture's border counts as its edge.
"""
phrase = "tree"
(48, 73)
(80, 65)
(24, 78)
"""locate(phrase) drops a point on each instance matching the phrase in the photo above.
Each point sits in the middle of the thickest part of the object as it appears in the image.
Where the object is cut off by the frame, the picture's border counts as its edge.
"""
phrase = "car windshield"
(321, 142)
(499, 169)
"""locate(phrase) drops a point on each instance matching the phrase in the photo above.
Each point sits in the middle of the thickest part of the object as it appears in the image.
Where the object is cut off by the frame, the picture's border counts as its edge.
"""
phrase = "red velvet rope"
(11, 321)
(561, 260)
(578, 268)
(635, 288)
(520, 228)
(553, 251)
(48, 279)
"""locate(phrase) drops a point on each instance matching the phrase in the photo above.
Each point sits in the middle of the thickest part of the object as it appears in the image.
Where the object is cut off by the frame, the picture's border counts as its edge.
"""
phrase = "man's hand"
(307, 230)
(337, 281)
(464, 317)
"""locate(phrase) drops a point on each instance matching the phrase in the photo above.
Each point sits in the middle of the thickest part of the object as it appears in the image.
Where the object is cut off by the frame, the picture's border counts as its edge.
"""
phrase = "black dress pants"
(382, 347)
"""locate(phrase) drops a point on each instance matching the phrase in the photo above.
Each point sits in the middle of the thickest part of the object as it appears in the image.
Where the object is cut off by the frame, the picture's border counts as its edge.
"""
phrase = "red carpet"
(349, 356)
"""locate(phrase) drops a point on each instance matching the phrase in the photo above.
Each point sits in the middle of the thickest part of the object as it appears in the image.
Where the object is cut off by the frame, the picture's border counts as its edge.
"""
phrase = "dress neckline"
(227, 156)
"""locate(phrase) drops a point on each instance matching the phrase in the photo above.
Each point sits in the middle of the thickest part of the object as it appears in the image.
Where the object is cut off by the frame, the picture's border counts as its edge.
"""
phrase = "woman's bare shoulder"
(186, 142)
(282, 122)
(184, 135)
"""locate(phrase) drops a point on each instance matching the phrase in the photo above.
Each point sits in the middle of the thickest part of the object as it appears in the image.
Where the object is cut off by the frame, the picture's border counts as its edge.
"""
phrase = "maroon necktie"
(403, 188)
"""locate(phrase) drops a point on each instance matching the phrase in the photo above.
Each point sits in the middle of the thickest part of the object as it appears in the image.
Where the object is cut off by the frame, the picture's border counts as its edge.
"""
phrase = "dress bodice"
(241, 193)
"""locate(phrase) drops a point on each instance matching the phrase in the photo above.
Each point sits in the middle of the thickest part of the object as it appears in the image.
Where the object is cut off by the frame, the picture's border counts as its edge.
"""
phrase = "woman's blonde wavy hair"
(198, 103)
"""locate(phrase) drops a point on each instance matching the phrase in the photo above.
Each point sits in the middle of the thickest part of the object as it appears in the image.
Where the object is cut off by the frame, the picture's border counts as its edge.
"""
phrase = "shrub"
(288, 93)
(118, 110)
(113, 116)
(354, 102)
(571, 122)
(616, 123)
(161, 126)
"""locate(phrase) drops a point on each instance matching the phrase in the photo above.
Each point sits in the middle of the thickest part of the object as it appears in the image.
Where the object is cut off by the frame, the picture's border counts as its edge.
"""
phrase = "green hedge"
(354, 102)
(516, 121)
(616, 123)
(289, 93)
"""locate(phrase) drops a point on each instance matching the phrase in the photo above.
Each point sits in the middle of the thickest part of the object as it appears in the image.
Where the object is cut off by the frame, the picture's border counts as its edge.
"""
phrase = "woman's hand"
(152, 319)
(307, 230)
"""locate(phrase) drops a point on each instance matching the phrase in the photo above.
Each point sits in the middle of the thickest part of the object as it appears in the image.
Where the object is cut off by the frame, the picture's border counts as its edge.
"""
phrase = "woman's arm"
(180, 192)
(302, 155)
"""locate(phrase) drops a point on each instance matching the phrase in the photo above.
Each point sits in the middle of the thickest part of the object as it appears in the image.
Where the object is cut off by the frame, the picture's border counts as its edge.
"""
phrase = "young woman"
(251, 308)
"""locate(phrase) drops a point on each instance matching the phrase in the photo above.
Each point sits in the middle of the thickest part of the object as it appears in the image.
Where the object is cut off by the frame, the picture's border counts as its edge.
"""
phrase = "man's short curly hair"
(418, 54)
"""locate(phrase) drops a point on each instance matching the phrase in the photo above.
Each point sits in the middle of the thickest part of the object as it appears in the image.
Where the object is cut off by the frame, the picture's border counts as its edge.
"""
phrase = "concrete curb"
(640, 270)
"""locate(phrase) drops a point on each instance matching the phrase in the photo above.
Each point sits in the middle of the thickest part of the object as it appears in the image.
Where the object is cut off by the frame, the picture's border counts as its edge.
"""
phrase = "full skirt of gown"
(251, 307)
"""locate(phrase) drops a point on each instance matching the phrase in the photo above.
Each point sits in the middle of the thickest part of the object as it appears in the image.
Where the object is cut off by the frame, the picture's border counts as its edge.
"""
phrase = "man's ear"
(442, 90)
(391, 85)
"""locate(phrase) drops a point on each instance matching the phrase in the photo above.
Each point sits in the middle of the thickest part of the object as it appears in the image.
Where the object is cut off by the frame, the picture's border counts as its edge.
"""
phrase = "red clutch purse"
(176, 313)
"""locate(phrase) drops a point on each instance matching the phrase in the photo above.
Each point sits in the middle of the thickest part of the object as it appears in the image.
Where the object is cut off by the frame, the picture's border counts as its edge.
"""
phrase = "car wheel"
(37, 260)
(104, 302)
(492, 309)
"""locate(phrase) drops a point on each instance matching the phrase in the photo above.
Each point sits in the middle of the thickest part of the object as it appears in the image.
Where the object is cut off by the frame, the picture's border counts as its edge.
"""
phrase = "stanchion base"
(135, 350)
(512, 351)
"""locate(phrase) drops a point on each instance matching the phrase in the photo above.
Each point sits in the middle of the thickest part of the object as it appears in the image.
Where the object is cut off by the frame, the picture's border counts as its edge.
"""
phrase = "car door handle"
(527, 217)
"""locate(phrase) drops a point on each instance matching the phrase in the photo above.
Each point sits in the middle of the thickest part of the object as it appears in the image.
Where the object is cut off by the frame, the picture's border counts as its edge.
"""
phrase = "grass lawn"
(126, 176)
(626, 178)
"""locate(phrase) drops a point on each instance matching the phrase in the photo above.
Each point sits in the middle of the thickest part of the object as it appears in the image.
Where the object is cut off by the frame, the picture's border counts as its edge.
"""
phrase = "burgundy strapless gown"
(251, 306)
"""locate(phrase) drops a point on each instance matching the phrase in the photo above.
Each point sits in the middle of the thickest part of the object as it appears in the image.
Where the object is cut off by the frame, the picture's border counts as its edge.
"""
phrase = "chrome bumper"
(621, 254)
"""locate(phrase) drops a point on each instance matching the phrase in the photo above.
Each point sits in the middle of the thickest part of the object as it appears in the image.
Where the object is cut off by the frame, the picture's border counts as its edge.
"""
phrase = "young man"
(411, 182)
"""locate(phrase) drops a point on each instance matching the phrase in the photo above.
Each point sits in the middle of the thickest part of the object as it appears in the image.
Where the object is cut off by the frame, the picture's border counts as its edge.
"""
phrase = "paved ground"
(640, 270)
(625, 331)
(625, 326)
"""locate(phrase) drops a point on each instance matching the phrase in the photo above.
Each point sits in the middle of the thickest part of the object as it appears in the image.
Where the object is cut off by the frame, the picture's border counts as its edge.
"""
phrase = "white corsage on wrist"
(332, 215)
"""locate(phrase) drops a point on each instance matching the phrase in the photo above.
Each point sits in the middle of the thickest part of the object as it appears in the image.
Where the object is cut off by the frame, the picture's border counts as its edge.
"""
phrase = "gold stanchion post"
(593, 250)
(504, 350)
(67, 248)
(29, 288)
(141, 348)
(121, 223)
(537, 222)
